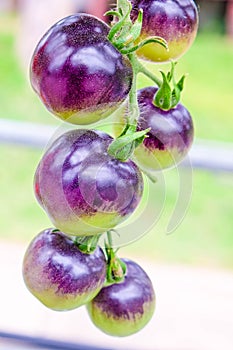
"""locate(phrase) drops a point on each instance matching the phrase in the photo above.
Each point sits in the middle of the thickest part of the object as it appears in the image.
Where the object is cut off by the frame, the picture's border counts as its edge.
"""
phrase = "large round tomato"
(76, 71)
(82, 188)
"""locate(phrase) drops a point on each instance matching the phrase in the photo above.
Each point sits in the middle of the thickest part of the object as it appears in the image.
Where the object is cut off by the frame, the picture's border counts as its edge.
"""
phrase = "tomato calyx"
(124, 33)
(116, 268)
(123, 147)
(87, 244)
(169, 92)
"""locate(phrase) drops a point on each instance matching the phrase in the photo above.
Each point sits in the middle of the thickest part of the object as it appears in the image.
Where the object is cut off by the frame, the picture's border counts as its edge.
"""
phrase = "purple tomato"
(82, 188)
(58, 274)
(124, 308)
(171, 134)
(173, 20)
(78, 74)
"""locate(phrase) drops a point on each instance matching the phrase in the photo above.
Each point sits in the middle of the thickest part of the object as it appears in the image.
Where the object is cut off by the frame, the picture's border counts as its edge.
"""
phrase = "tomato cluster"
(89, 182)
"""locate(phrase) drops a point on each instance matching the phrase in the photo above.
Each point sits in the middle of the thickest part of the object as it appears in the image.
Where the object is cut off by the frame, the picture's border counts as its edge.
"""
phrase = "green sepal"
(180, 83)
(163, 96)
(175, 97)
(155, 39)
(131, 35)
(113, 13)
(123, 147)
(123, 6)
(176, 92)
(127, 32)
(116, 268)
(169, 92)
(87, 244)
(137, 26)
(128, 129)
(55, 230)
(124, 131)
(116, 28)
(121, 12)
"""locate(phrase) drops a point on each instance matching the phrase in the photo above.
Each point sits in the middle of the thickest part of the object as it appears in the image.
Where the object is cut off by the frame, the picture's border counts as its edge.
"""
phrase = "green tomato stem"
(133, 102)
(109, 235)
(138, 67)
(142, 69)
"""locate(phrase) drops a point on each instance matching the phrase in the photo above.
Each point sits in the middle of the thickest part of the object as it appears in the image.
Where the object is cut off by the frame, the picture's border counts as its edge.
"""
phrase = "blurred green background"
(205, 237)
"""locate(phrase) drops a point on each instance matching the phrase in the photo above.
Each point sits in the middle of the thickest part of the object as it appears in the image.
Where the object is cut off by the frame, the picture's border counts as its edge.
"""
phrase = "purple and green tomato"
(82, 188)
(173, 20)
(124, 308)
(78, 74)
(58, 274)
(170, 136)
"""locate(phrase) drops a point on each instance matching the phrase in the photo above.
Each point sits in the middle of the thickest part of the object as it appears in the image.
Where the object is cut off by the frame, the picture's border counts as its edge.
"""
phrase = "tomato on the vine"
(124, 308)
(170, 136)
(76, 71)
(58, 274)
(82, 188)
(175, 21)
(87, 182)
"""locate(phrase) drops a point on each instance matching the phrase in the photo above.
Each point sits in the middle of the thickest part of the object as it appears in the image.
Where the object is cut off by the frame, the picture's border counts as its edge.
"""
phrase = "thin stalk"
(142, 69)
(116, 268)
(133, 102)
(109, 235)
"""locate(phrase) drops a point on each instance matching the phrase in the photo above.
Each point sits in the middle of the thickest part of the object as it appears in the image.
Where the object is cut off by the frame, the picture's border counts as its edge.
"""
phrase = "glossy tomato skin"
(175, 21)
(171, 134)
(58, 274)
(83, 190)
(125, 308)
(76, 71)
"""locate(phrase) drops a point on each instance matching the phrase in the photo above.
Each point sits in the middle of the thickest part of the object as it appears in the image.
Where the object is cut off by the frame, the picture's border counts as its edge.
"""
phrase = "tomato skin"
(84, 190)
(58, 274)
(175, 21)
(77, 73)
(124, 308)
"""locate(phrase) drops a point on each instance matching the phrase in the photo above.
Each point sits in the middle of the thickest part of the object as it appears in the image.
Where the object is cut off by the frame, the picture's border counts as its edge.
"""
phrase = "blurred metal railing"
(209, 155)
(22, 342)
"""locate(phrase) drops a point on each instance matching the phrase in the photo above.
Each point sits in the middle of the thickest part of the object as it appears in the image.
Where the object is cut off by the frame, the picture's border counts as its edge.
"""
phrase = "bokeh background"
(204, 239)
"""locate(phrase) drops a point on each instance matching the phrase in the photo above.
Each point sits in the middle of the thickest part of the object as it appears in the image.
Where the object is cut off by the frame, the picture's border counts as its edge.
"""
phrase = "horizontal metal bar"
(25, 133)
(211, 155)
(33, 343)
